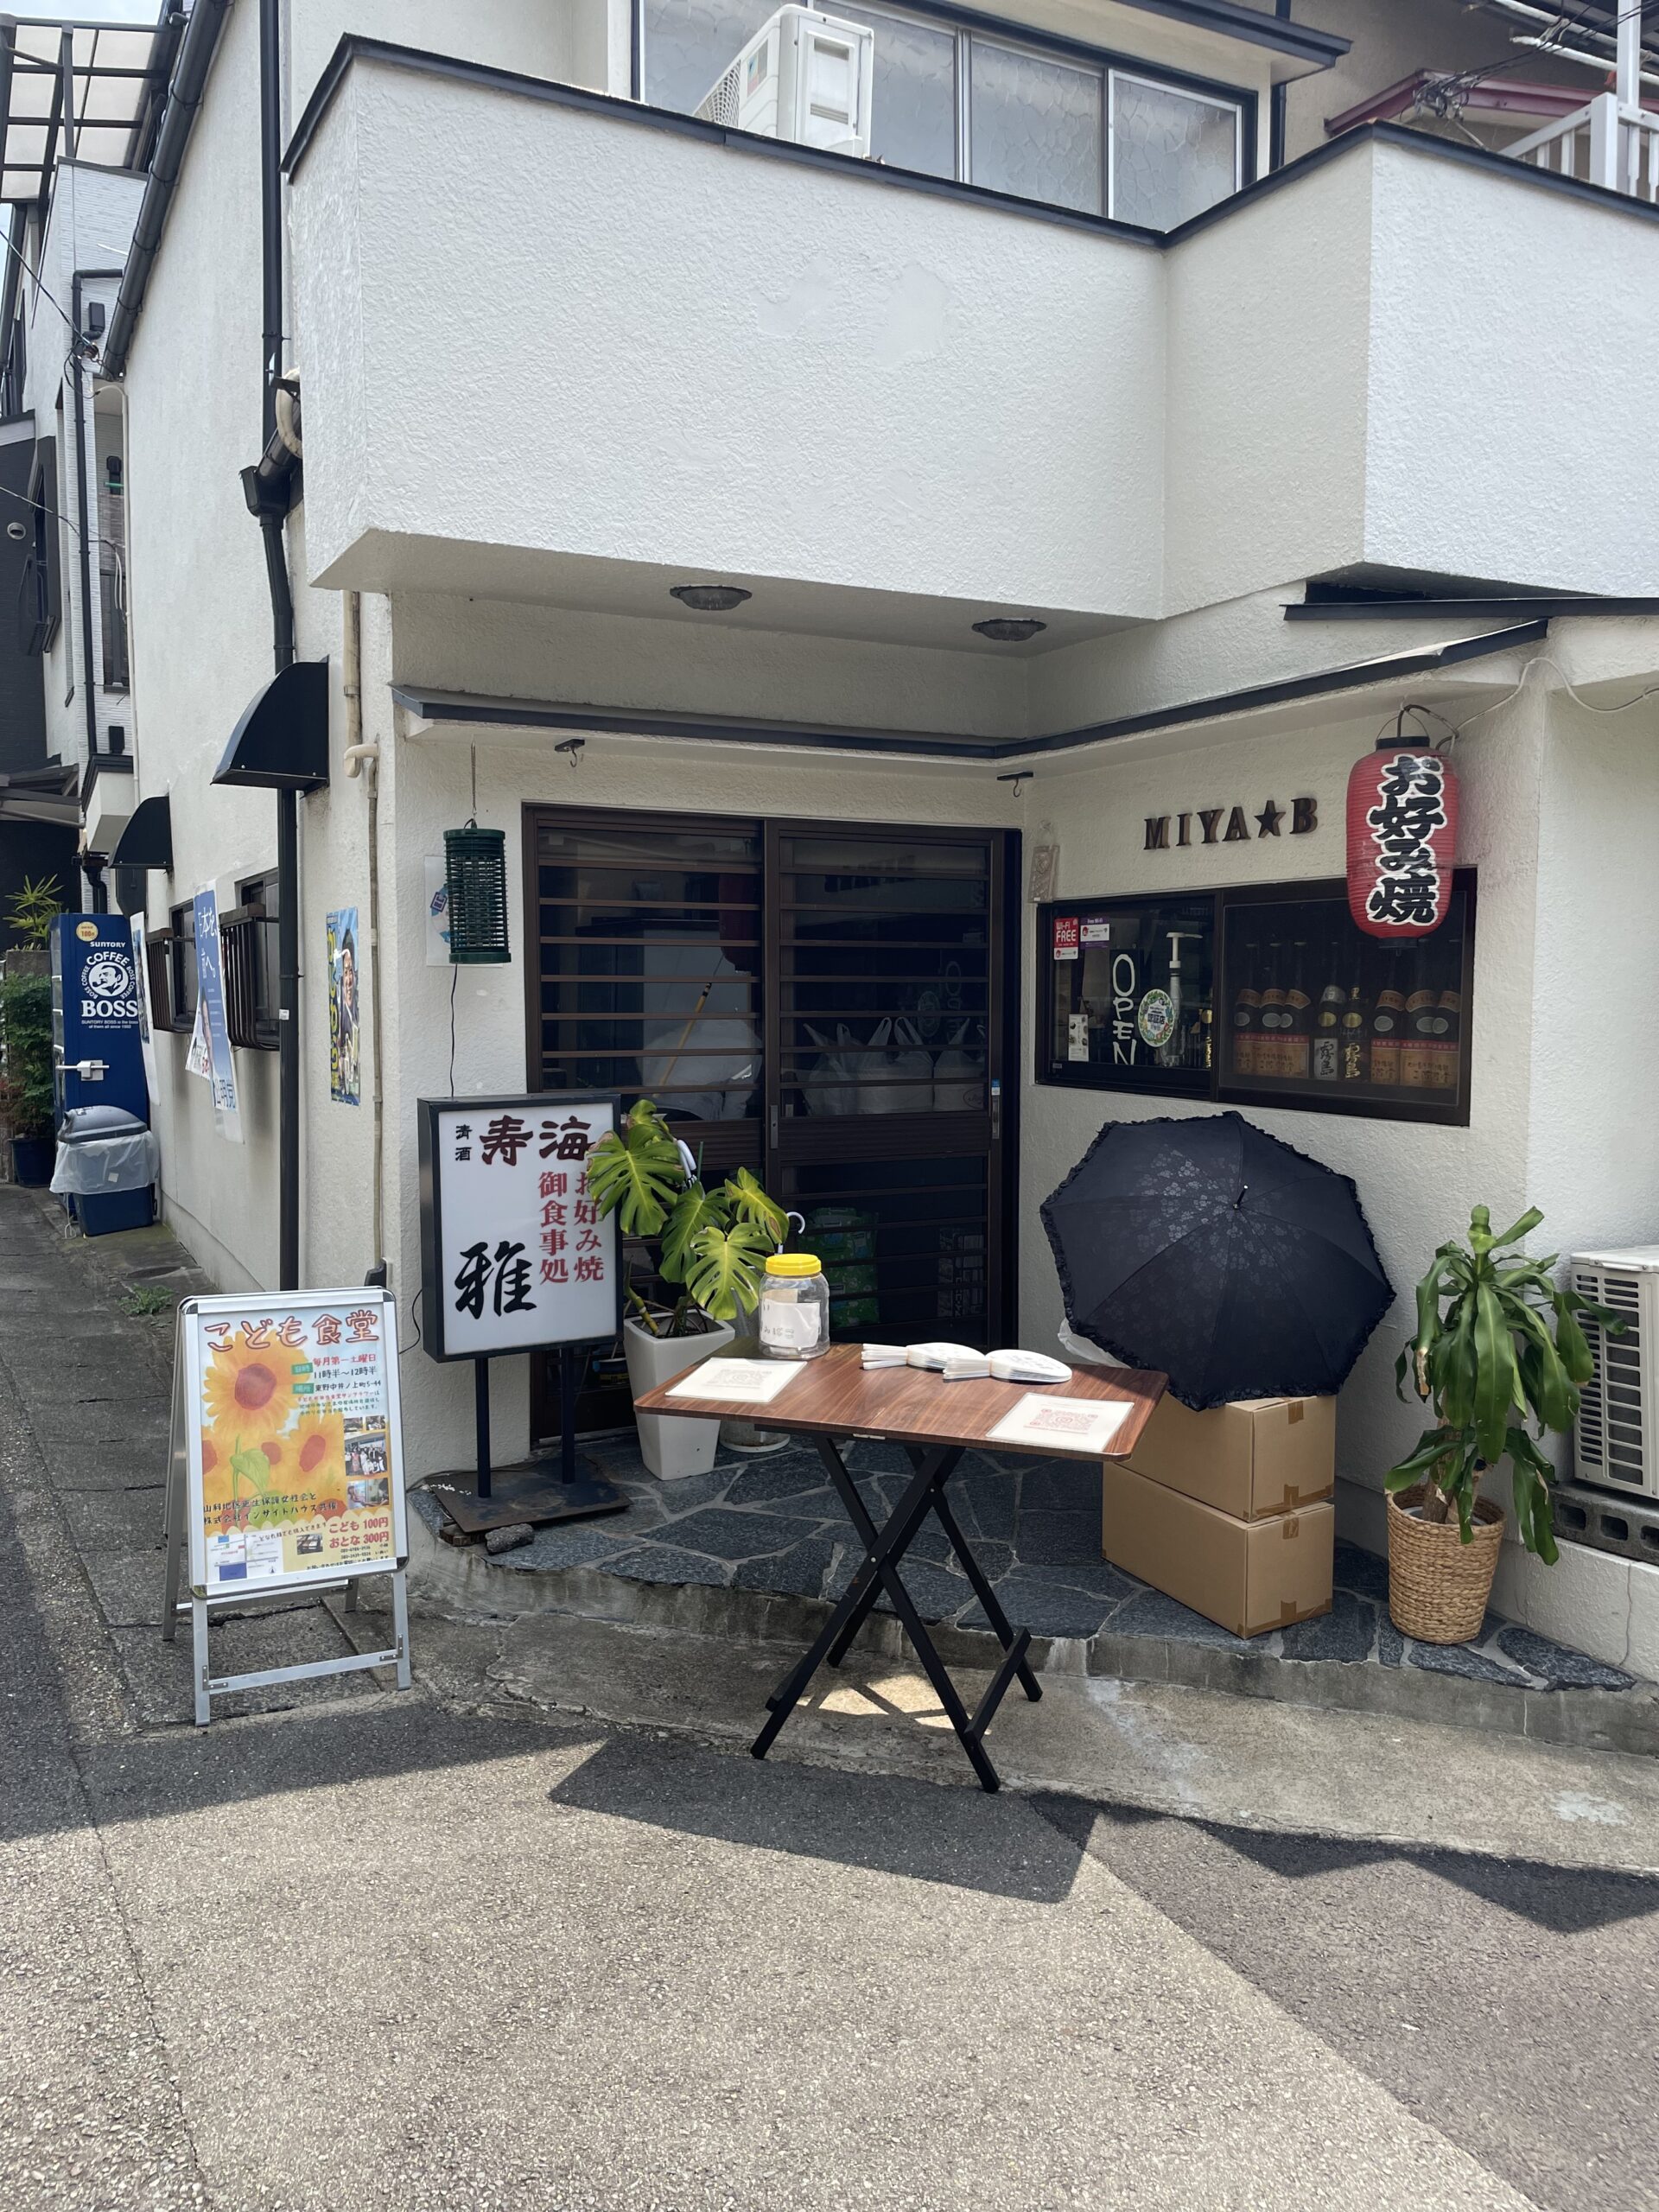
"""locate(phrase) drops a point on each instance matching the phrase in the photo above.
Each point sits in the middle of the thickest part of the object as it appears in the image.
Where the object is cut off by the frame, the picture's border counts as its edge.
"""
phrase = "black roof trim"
(1413, 141)
(1550, 605)
(353, 47)
(467, 708)
(1231, 18)
(546, 93)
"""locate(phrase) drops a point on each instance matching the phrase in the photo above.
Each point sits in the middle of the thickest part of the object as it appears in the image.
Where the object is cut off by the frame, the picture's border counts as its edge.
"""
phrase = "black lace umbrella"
(1206, 1248)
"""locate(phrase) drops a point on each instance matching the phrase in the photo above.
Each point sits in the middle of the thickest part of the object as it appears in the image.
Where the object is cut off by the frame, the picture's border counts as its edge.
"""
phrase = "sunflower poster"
(294, 1453)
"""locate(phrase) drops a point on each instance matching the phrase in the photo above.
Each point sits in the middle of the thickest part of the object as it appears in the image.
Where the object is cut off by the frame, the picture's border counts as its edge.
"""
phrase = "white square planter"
(672, 1448)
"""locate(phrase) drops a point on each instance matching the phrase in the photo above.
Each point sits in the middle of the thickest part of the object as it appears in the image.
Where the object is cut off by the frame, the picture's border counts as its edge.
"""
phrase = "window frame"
(968, 24)
(1162, 85)
(1213, 1088)
(248, 932)
(182, 969)
(43, 564)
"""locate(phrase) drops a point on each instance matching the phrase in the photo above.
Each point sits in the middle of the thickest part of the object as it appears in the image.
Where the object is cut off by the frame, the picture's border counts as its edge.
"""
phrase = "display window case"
(1265, 996)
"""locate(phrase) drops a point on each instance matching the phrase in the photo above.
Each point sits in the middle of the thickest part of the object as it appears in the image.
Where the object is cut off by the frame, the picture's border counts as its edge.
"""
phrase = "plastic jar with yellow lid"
(794, 1307)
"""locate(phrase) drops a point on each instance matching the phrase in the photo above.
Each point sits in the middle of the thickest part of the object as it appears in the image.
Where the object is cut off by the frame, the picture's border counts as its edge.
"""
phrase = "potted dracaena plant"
(709, 1247)
(1498, 1346)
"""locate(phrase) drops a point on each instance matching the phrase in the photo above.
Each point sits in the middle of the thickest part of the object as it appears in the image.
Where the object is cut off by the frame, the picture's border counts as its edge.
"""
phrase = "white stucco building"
(1280, 453)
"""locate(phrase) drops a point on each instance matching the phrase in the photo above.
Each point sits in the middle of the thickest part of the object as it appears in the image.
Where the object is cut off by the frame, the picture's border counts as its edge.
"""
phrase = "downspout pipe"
(267, 490)
(83, 505)
(1279, 110)
(184, 97)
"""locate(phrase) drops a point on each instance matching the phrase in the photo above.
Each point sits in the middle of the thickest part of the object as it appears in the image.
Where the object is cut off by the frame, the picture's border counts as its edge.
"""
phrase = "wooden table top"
(834, 1396)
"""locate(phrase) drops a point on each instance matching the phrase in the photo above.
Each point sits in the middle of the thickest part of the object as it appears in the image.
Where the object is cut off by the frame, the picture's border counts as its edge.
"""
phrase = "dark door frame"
(1005, 972)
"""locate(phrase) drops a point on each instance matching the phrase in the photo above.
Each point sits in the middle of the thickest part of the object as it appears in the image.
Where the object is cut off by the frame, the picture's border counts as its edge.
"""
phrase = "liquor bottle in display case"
(1273, 1019)
(1417, 1052)
(1387, 1019)
(1247, 1016)
(1296, 1032)
(1449, 1029)
(1327, 1058)
(1356, 1026)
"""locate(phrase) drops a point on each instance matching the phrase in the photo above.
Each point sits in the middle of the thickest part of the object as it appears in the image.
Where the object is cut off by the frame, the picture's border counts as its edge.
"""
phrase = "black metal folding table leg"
(884, 1548)
(906, 1519)
(855, 1600)
(1006, 1634)
(955, 1711)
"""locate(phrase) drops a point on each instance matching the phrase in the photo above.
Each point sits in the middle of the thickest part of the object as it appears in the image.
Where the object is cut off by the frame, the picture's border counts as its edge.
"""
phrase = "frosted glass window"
(690, 43)
(1035, 127)
(913, 95)
(1172, 155)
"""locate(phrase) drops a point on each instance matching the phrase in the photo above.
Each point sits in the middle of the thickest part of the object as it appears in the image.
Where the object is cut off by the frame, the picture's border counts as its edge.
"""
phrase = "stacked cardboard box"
(1230, 1511)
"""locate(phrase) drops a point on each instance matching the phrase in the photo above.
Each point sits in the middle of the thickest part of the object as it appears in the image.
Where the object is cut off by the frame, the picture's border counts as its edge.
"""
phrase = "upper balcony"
(571, 349)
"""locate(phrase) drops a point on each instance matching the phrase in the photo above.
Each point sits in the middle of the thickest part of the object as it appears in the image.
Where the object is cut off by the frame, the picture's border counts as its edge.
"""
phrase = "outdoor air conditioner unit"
(1615, 1438)
(804, 76)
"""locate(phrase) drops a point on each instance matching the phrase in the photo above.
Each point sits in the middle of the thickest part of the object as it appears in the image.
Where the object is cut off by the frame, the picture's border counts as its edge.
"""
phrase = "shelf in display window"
(1262, 995)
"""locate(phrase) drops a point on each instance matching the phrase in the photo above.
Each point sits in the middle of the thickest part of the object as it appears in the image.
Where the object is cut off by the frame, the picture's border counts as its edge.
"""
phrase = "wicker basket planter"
(1438, 1585)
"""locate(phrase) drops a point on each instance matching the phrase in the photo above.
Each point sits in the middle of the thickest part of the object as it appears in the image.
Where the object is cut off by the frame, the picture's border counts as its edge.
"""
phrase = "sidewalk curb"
(461, 1583)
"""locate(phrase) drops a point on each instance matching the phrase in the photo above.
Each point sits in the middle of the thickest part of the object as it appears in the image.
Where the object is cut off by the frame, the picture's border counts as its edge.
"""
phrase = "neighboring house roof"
(87, 92)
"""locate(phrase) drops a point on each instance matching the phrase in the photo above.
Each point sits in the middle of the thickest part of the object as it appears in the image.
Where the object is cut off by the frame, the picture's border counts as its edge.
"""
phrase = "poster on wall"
(345, 1079)
(438, 911)
(292, 1449)
(210, 1041)
(141, 992)
(514, 1253)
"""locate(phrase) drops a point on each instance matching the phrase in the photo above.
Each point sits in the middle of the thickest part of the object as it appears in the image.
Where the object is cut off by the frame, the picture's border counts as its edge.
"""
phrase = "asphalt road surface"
(378, 1953)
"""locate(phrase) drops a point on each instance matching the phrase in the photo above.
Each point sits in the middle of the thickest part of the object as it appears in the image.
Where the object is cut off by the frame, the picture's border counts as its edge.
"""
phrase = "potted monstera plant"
(1500, 1356)
(707, 1247)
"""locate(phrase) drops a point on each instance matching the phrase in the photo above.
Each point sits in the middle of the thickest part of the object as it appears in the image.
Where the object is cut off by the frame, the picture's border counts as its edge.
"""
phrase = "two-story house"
(80, 105)
(907, 529)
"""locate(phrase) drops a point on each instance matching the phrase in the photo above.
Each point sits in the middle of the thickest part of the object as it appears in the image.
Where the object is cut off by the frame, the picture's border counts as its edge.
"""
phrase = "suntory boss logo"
(107, 986)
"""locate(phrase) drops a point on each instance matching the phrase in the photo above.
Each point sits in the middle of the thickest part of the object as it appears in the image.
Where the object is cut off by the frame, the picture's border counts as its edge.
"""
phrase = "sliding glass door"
(832, 1004)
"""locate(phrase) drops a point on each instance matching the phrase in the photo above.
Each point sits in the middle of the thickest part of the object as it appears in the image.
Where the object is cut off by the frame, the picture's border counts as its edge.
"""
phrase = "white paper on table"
(747, 1382)
(1079, 1425)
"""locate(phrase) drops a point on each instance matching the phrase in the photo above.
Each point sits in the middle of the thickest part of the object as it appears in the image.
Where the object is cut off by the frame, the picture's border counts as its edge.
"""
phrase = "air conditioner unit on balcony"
(804, 76)
(1616, 1438)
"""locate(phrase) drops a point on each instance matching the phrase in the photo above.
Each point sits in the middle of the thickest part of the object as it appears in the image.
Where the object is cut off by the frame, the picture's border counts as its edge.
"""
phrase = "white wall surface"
(913, 406)
(669, 352)
(429, 790)
(1487, 298)
(1416, 1182)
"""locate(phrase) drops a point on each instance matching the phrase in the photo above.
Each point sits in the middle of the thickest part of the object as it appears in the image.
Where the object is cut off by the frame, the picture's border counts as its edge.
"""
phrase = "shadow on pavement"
(923, 1831)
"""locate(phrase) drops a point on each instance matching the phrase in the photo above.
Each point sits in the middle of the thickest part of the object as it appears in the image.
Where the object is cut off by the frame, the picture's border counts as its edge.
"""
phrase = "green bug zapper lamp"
(475, 878)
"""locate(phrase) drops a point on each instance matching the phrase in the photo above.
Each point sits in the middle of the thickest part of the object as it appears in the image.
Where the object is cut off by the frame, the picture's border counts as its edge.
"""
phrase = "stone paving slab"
(752, 1529)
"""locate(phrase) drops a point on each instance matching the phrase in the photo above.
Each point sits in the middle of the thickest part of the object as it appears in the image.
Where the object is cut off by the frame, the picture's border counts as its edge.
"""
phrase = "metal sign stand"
(176, 1543)
(497, 1176)
(537, 1491)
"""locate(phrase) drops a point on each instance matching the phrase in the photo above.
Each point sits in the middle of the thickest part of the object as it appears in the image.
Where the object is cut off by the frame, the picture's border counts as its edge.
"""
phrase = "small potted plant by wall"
(29, 918)
(27, 1097)
(708, 1247)
(1498, 1347)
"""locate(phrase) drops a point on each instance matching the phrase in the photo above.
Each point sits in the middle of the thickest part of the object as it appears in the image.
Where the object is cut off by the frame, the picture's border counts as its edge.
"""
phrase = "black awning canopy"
(281, 744)
(147, 841)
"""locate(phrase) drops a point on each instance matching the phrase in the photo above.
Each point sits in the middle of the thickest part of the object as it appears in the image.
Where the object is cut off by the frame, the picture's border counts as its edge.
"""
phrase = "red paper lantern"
(1402, 839)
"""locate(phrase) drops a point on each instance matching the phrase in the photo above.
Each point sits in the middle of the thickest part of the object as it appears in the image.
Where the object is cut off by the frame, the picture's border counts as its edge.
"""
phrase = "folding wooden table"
(834, 1401)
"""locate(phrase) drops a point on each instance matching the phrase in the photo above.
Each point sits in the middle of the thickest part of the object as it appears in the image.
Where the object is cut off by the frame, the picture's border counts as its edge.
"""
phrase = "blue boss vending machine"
(97, 1015)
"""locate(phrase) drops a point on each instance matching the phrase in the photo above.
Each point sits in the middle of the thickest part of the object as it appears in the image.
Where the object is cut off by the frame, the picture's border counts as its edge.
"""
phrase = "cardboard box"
(1250, 1576)
(1259, 1456)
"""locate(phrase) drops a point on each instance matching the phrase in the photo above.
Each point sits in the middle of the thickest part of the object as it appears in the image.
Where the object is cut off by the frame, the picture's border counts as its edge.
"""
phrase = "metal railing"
(1607, 141)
